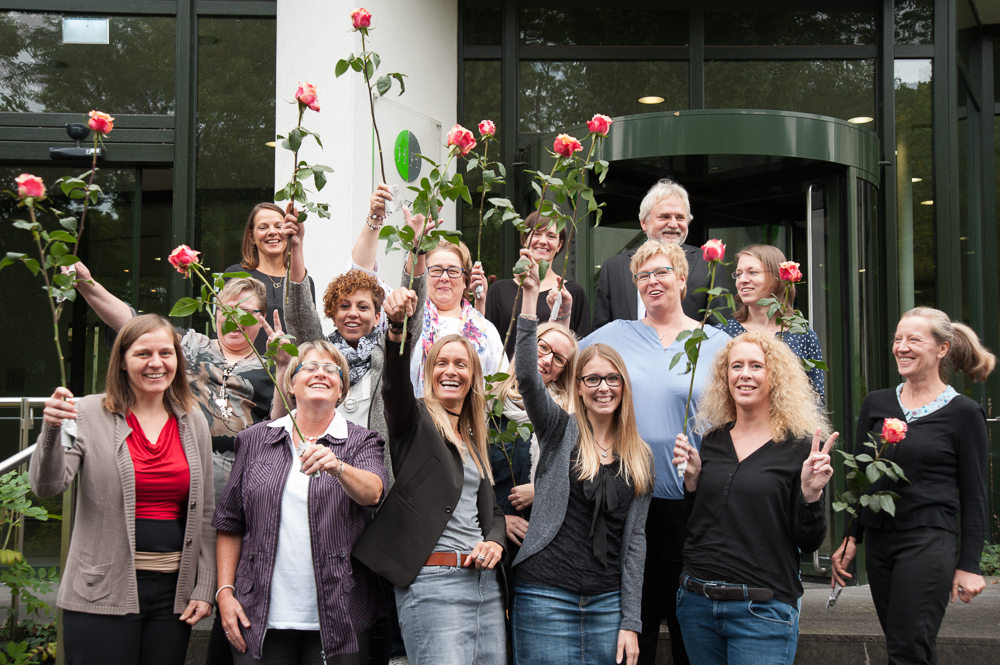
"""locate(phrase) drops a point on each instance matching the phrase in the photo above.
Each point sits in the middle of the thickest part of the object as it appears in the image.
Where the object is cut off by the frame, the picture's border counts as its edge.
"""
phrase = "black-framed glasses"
(312, 366)
(251, 311)
(454, 272)
(752, 274)
(557, 359)
(594, 380)
(660, 274)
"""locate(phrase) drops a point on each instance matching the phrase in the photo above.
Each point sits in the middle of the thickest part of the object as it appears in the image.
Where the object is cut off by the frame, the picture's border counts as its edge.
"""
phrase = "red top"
(162, 476)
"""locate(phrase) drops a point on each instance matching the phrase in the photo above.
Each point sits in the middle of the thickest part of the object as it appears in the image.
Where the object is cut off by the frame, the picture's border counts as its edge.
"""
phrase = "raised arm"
(366, 248)
(109, 308)
(397, 391)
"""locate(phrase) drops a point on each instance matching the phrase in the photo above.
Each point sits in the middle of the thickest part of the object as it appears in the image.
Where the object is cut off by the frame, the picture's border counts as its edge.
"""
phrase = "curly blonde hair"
(346, 285)
(795, 410)
(673, 253)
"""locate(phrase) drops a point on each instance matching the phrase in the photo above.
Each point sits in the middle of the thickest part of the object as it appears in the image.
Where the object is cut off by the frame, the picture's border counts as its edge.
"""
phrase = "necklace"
(222, 401)
(276, 285)
(604, 451)
(452, 413)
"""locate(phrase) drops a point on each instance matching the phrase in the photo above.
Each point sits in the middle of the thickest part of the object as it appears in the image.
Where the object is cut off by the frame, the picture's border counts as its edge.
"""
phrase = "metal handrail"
(17, 460)
(25, 404)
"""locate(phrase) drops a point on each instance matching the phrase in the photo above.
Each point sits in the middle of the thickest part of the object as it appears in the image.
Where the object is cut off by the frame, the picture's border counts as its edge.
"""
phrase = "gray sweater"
(558, 436)
(304, 324)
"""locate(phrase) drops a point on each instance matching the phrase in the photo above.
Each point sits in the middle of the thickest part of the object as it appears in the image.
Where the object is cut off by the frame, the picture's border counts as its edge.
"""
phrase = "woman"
(756, 276)
(439, 534)
(268, 255)
(579, 571)
(755, 493)
(660, 389)
(544, 243)
(911, 557)
(141, 564)
(290, 606)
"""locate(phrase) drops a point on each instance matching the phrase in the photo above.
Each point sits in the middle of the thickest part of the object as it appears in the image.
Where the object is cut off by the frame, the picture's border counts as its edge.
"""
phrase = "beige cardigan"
(100, 570)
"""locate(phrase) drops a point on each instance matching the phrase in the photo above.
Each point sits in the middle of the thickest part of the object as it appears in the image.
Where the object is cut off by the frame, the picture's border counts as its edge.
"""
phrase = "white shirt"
(492, 358)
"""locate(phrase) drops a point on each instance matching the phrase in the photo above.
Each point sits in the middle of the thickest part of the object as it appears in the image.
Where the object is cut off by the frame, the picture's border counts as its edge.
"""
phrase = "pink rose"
(306, 95)
(461, 138)
(29, 186)
(789, 272)
(713, 250)
(361, 18)
(487, 128)
(101, 122)
(600, 124)
(893, 430)
(182, 258)
(566, 145)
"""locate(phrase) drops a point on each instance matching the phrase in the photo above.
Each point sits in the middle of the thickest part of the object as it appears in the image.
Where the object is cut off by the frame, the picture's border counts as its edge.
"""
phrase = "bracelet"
(529, 317)
(560, 318)
(396, 328)
(224, 586)
(372, 226)
(340, 470)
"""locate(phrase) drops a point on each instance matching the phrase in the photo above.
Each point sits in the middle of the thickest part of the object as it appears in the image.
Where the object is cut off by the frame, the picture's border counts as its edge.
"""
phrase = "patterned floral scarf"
(360, 359)
(473, 327)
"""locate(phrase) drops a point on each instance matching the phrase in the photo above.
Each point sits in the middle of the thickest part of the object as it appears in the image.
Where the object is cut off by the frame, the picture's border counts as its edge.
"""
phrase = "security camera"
(77, 131)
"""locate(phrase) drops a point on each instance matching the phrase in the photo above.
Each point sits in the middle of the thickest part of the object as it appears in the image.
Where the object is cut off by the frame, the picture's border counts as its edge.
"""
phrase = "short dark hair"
(249, 248)
(536, 222)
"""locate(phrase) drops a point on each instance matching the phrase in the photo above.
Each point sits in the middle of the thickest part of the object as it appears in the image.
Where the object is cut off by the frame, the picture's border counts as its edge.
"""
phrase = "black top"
(507, 457)
(944, 456)
(748, 520)
(275, 300)
(500, 304)
(569, 562)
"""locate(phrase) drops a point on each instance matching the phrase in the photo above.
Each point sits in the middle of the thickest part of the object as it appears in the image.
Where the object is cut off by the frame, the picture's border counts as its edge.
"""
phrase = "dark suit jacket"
(617, 297)
(429, 478)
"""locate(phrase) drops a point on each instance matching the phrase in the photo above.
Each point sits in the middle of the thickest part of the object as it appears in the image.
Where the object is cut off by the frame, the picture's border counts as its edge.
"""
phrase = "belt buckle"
(710, 586)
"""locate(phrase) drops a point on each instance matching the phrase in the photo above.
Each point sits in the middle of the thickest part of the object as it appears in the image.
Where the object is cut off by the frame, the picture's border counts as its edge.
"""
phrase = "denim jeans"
(737, 632)
(556, 626)
(453, 616)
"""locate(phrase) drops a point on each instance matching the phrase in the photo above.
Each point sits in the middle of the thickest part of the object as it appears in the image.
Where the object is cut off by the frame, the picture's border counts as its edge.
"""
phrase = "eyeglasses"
(251, 311)
(312, 366)
(660, 273)
(594, 380)
(454, 272)
(678, 217)
(544, 349)
(749, 273)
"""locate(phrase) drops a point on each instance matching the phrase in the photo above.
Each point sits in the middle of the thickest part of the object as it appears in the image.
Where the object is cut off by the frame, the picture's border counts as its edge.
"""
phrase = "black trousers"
(301, 647)
(666, 531)
(219, 651)
(911, 573)
(154, 636)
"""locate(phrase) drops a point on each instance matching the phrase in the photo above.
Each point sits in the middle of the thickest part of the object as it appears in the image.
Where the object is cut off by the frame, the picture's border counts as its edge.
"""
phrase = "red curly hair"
(345, 285)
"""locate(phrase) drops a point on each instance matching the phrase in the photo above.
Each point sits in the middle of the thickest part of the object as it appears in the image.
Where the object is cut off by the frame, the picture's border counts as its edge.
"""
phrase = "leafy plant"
(867, 470)
(990, 561)
(504, 440)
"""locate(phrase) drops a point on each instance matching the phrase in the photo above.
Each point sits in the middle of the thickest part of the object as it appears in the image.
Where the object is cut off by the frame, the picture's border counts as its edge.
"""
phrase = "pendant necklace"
(604, 451)
(222, 401)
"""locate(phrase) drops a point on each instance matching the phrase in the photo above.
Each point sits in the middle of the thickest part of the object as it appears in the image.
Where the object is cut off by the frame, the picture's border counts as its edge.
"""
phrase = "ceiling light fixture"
(860, 120)
(652, 99)
(916, 179)
(926, 203)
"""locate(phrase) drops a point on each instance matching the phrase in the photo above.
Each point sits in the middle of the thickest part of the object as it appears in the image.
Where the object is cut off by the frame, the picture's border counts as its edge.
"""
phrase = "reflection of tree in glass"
(605, 26)
(913, 139)
(482, 101)
(789, 28)
(914, 21)
(134, 73)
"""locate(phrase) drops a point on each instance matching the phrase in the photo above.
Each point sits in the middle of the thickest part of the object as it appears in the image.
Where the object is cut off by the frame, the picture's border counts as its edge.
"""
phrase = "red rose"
(600, 124)
(893, 430)
(789, 272)
(713, 250)
(461, 138)
(566, 145)
(306, 95)
(182, 258)
(101, 122)
(361, 18)
(487, 128)
(29, 186)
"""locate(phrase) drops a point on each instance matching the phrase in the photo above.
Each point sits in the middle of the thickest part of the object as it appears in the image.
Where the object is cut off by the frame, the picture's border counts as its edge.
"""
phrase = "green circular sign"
(407, 155)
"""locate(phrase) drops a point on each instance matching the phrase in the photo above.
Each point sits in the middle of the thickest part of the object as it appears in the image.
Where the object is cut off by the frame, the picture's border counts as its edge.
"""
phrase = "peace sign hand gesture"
(816, 470)
(276, 333)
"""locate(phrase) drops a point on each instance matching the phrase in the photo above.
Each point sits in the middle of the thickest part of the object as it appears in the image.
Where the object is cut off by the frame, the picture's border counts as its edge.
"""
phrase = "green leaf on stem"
(320, 179)
(63, 236)
(887, 504)
(873, 473)
(58, 249)
(295, 139)
(543, 269)
(302, 174)
(341, 67)
(233, 275)
(69, 223)
(11, 259)
(399, 77)
(864, 458)
(27, 226)
(521, 266)
(383, 84)
(503, 171)
(185, 307)
(357, 64)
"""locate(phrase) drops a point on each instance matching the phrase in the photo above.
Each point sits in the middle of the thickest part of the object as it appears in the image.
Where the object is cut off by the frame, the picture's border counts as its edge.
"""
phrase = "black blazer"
(429, 478)
(617, 297)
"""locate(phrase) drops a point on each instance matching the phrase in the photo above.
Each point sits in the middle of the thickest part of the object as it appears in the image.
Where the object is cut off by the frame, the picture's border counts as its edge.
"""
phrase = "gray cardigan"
(304, 324)
(558, 436)
(100, 569)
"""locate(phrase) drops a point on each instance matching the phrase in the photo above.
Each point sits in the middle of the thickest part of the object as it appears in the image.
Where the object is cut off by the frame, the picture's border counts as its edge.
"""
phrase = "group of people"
(382, 494)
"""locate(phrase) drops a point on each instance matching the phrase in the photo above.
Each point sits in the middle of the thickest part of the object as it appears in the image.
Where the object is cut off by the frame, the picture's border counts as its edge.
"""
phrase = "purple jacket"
(350, 599)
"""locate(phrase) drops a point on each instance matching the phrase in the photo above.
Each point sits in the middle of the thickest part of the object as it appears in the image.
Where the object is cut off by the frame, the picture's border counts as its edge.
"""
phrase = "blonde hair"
(472, 417)
(464, 256)
(236, 287)
(673, 253)
(321, 347)
(966, 353)
(795, 410)
(772, 258)
(118, 397)
(562, 388)
(636, 457)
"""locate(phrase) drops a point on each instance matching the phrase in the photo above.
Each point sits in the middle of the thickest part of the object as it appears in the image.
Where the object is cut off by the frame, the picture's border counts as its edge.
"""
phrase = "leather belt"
(447, 559)
(719, 591)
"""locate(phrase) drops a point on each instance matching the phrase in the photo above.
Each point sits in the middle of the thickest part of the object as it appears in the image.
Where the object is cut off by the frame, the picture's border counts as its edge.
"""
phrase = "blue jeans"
(737, 632)
(556, 626)
(453, 616)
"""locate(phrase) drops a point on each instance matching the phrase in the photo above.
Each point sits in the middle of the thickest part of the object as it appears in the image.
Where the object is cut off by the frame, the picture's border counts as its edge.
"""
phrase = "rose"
(713, 250)
(29, 186)
(600, 124)
(893, 430)
(487, 128)
(566, 145)
(101, 122)
(789, 272)
(182, 258)
(361, 18)
(461, 138)
(306, 95)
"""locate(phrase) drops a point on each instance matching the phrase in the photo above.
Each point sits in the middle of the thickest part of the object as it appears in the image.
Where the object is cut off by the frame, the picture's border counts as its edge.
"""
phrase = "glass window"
(482, 102)
(38, 73)
(482, 22)
(914, 21)
(557, 95)
(832, 25)
(914, 183)
(837, 88)
(966, 34)
(577, 24)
